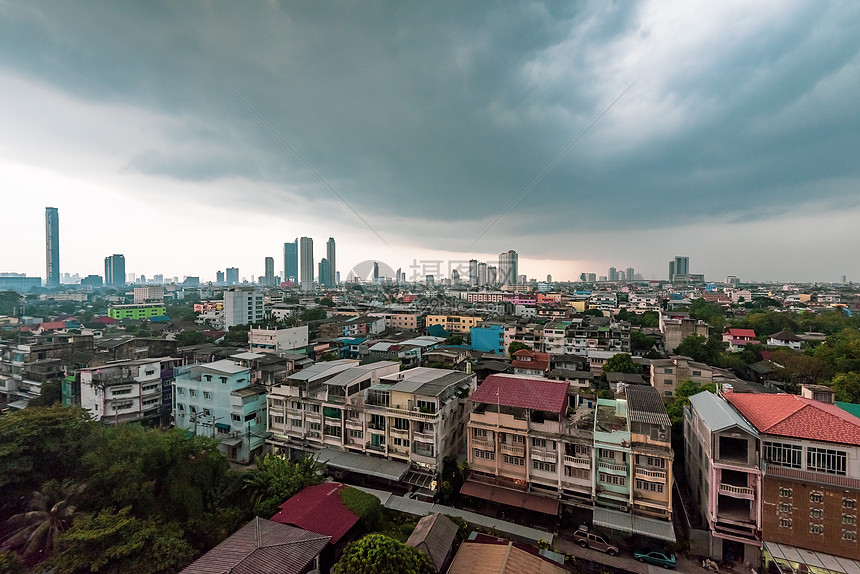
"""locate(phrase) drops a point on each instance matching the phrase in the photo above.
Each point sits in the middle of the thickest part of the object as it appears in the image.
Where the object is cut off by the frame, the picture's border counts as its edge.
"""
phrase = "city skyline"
(426, 141)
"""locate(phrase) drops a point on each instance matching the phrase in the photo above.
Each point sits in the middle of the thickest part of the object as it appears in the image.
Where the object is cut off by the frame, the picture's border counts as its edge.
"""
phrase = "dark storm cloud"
(436, 111)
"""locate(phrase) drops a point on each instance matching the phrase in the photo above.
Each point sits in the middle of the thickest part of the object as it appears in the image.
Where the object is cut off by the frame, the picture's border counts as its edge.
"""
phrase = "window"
(116, 392)
(816, 497)
(207, 377)
(207, 395)
(656, 462)
(606, 453)
(544, 466)
(515, 460)
(485, 454)
(785, 522)
(612, 479)
(315, 408)
(849, 503)
(356, 434)
(277, 402)
(193, 409)
(206, 413)
(235, 418)
(816, 513)
(697, 373)
(667, 393)
(296, 422)
(180, 406)
(849, 519)
(223, 380)
(649, 486)
(539, 442)
(849, 535)
(779, 454)
(480, 433)
(296, 405)
(669, 371)
(785, 492)
(784, 507)
(332, 430)
(192, 392)
(668, 382)
(816, 529)
(826, 460)
(180, 391)
(577, 472)
(518, 439)
(314, 426)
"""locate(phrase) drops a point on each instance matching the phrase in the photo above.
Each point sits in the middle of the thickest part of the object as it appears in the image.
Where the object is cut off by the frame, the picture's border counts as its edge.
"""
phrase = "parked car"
(656, 556)
(589, 539)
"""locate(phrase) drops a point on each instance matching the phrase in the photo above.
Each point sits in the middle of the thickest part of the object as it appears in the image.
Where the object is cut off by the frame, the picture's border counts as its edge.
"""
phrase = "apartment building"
(138, 311)
(810, 460)
(667, 374)
(218, 400)
(373, 420)
(128, 391)
(401, 320)
(242, 305)
(597, 334)
(274, 340)
(650, 437)
(460, 324)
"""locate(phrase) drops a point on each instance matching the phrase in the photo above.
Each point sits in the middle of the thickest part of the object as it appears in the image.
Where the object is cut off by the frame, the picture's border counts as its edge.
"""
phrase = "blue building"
(218, 400)
(489, 338)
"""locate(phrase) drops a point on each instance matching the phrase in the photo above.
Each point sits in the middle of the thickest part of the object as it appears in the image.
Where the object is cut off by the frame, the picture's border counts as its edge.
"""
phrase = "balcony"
(544, 455)
(612, 467)
(399, 432)
(730, 489)
(811, 477)
(375, 447)
(513, 450)
(476, 443)
(493, 419)
(578, 462)
(425, 436)
(651, 473)
(426, 452)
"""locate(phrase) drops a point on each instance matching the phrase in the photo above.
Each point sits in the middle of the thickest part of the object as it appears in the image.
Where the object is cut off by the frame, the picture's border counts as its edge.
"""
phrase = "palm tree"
(49, 513)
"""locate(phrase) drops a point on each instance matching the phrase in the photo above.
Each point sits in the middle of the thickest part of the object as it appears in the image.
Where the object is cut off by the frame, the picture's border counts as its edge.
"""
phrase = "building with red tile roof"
(319, 509)
(739, 337)
(529, 362)
(523, 392)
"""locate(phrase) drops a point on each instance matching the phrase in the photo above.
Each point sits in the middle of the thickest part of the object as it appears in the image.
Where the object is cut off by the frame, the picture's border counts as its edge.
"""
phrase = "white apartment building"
(242, 305)
(148, 293)
(273, 340)
(125, 391)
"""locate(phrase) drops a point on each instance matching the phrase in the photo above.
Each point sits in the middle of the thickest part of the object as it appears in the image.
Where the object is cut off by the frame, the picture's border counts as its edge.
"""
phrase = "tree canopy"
(276, 478)
(379, 554)
(621, 363)
(516, 346)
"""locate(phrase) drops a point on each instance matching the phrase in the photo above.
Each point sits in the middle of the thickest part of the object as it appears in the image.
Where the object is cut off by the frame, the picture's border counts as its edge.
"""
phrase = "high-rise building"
(291, 262)
(269, 277)
(52, 247)
(682, 265)
(324, 273)
(671, 270)
(242, 305)
(376, 272)
(219, 277)
(548, 278)
(332, 265)
(115, 269)
(306, 263)
(473, 272)
(455, 277)
(613, 274)
(508, 268)
(232, 276)
(630, 275)
(397, 278)
(492, 275)
(482, 274)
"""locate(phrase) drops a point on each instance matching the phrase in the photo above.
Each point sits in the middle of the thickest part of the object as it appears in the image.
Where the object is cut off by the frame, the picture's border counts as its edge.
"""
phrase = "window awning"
(510, 497)
(632, 524)
(791, 560)
(232, 441)
(222, 426)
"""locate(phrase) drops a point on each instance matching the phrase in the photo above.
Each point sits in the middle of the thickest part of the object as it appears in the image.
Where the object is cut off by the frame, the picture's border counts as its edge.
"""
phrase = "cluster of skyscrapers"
(299, 264)
(506, 273)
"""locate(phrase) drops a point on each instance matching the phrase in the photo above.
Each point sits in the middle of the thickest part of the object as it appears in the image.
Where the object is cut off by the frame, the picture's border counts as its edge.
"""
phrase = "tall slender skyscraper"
(269, 277)
(473, 272)
(508, 268)
(682, 265)
(376, 271)
(332, 266)
(115, 269)
(306, 266)
(630, 275)
(324, 273)
(291, 261)
(52, 247)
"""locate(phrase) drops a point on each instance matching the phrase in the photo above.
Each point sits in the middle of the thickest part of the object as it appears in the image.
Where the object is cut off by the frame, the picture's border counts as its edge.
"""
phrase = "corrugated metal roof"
(717, 414)
(645, 405)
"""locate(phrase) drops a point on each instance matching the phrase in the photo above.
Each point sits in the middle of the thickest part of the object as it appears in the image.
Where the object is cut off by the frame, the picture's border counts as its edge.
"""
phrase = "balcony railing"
(545, 455)
(577, 461)
(603, 465)
(513, 450)
(476, 443)
(732, 489)
(651, 473)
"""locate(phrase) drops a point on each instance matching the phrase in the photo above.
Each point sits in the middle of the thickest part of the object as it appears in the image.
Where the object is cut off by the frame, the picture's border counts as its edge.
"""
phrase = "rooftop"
(319, 509)
(523, 392)
(645, 405)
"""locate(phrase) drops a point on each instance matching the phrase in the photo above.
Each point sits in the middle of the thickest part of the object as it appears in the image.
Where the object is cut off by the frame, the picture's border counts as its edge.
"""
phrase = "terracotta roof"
(741, 332)
(796, 417)
(319, 509)
(52, 325)
(478, 558)
(261, 546)
(525, 393)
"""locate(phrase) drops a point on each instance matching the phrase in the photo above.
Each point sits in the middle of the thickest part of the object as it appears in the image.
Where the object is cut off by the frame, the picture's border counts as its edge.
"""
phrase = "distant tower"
(306, 247)
(630, 275)
(455, 277)
(508, 267)
(232, 276)
(672, 270)
(269, 277)
(682, 265)
(52, 247)
(549, 278)
(482, 274)
(291, 262)
(330, 255)
(376, 272)
(115, 269)
(397, 278)
(324, 273)
(492, 275)
(473, 272)
(219, 277)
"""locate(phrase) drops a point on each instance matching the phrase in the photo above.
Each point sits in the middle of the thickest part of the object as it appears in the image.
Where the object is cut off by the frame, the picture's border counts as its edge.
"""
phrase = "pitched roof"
(434, 535)
(478, 558)
(522, 392)
(319, 509)
(645, 405)
(785, 336)
(797, 417)
(717, 414)
(741, 332)
(261, 546)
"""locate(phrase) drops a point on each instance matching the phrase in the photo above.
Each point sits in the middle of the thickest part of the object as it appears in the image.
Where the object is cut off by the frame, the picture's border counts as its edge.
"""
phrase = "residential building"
(140, 311)
(407, 321)
(128, 391)
(435, 535)
(232, 276)
(529, 362)
(612, 456)
(509, 268)
(324, 274)
(667, 374)
(269, 274)
(52, 247)
(473, 272)
(331, 256)
(482, 274)
(650, 437)
(678, 326)
(489, 338)
(785, 339)
(242, 305)
(454, 323)
(306, 262)
(148, 294)
(291, 262)
(721, 454)
(353, 327)
(587, 334)
(274, 340)
(115, 270)
(810, 461)
(500, 556)
(739, 338)
(218, 400)
(373, 419)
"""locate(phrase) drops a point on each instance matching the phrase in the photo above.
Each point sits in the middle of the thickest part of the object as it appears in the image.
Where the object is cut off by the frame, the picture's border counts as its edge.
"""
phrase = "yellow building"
(454, 323)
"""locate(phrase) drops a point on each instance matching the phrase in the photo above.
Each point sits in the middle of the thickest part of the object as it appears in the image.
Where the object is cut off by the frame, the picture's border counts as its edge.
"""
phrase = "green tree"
(190, 337)
(593, 313)
(700, 348)
(314, 314)
(454, 340)
(798, 368)
(516, 346)
(51, 393)
(51, 510)
(275, 479)
(379, 554)
(841, 351)
(325, 301)
(621, 363)
(11, 563)
(115, 541)
(8, 301)
(847, 387)
(640, 341)
(675, 408)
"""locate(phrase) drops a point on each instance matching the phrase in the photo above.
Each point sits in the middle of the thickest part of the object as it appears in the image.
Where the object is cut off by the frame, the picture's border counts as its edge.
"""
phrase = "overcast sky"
(737, 145)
